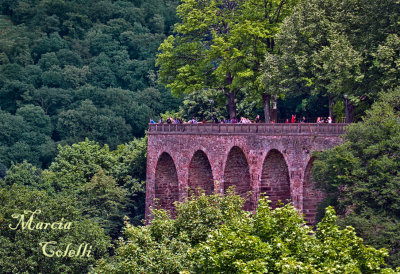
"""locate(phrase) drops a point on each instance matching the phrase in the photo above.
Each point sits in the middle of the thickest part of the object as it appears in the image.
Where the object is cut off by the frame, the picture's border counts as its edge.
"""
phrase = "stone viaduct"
(275, 159)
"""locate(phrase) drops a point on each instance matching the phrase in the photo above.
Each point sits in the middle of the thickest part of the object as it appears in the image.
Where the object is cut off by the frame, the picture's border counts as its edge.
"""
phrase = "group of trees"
(71, 70)
(86, 184)
(87, 69)
(213, 234)
(221, 45)
(95, 188)
(76, 69)
(344, 51)
(361, 177)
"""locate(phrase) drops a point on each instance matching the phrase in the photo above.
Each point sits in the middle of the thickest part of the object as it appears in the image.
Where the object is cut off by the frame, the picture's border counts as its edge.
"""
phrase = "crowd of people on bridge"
(242, 120)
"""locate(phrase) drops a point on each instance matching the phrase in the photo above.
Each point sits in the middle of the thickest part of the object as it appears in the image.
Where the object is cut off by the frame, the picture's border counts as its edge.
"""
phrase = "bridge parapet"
(264, 129)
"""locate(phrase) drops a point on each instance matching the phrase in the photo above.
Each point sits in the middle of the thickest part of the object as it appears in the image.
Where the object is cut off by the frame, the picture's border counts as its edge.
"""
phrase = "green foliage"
(336, 48)
(387, 62)
(199, 105)
(25, 174)
(163, 245)
(132, 158)
(77, 164)
(58, 55)
(105, 185)
(87, 121)
(104, 201)
(72, 70)
(26, 136)
(220, 45)
(131, 174)
(20, 249)
(362, 176)
(108, 184)
(3, 171)
(36, 119)
(213, 234)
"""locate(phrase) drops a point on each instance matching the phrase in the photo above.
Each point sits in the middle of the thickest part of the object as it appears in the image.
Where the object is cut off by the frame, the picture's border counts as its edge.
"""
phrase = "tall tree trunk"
(274, 112)
(267, 102)
(351, 112)
(231, 104)
(231, 94)
(331, 104)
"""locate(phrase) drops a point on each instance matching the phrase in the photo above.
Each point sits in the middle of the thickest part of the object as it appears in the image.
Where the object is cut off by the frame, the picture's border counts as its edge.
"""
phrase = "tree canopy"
(84, 69)
(361, 177)
(337, 49)
(104, 185)
(20, 249)
(220, 45)
(213, 234)
(79, 80)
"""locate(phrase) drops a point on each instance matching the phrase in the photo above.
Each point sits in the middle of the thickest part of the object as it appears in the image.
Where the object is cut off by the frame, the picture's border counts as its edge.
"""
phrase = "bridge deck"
(238, 129)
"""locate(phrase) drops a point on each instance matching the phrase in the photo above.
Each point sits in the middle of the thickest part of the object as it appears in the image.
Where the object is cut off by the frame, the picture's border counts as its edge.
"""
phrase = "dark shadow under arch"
(275, 182)
(166, 183)
(311, 196)
(200, 173)
(237, 174)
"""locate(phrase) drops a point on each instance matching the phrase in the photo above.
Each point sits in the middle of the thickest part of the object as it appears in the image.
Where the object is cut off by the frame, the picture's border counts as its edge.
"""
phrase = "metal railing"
(265, 129)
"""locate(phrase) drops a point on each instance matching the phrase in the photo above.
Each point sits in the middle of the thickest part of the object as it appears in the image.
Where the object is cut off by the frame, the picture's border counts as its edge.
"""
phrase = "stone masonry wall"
(200, 174)
(275, 164)
(311, 196)
(166, 182)
(275, 182)
(237, 174)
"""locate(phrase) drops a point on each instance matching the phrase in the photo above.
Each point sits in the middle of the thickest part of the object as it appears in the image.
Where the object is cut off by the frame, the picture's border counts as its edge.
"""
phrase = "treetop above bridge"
(264, 129)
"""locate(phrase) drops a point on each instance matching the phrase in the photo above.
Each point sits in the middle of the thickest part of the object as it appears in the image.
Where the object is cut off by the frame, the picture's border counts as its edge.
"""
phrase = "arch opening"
(311, 195)
(237, 174)
(200, 173)
(275, 181)
(166, 183)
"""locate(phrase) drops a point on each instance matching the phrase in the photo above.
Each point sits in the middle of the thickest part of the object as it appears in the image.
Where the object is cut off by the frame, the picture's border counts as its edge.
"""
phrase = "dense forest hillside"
(79, 80)
(76, 69)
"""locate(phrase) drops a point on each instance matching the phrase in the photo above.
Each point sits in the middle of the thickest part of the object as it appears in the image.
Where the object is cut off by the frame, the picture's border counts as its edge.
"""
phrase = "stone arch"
(311, 196)
(237, 174)
(166, 182)
(275, 181)
(200, 173)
